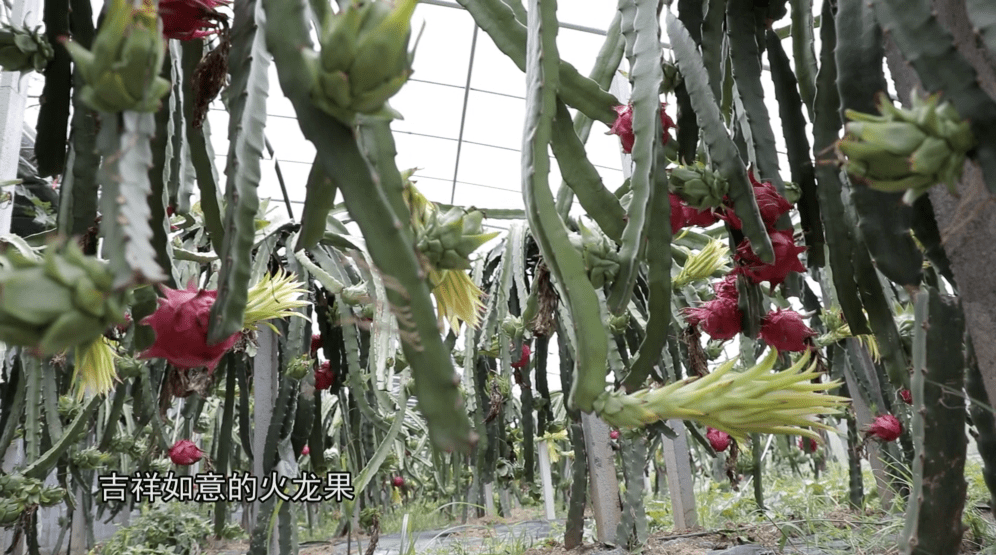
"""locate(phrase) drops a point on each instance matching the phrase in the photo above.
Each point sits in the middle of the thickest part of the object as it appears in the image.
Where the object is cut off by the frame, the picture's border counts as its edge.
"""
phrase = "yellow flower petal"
(94, 368)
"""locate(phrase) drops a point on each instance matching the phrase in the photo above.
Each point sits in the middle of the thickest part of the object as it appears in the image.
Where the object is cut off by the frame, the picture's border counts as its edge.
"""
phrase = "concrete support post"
(603, 483)
(679, 478)
(546, 479)
(265, 387)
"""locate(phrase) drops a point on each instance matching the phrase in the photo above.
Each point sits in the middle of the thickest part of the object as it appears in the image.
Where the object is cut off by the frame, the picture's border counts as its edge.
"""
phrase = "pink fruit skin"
(189, 19)
(785, 331)
(324, 376)
(720, 318)
(623, 126)
(185, 453)
(524, 359)
(181, 326)
(719, 440)
(885, 428)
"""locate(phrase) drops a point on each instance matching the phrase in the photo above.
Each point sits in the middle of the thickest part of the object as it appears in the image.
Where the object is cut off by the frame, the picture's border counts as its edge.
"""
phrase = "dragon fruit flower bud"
(907, 396)
(324, 376)
(623, 126)
(185, 453)
(785, 331)
(719, 440)
(885, 428)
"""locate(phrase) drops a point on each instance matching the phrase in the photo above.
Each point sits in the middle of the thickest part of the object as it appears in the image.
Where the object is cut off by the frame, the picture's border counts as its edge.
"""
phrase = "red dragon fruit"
(623, 126)
(316, 343)
(181, 326)
(305, 450)
(786, 259)
(190, 19)
(785, 331)
(524, 359)
(719, 440)
(398, 482)
(726, 287)
(185, 453)
(613, 434)
(885, 428)
(807, 444)
(720, 318)
(324, 376)
(907, 396)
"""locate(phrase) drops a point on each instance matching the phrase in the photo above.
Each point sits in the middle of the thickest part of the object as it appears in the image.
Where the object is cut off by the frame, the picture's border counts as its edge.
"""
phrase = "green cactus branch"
(548, 229)
(606, 63)
(201, 155)
(646, 75)
(658, 280)
(721, 148)
(247, 108)
(839, 234)
(803, 52)
(53, 114)
(881, 216)
(746, 57)
(391, 250)
(934, 516)
(124, 178)
(78, 191)
(930, 49)
(582, 177)
(797, 145)
(713, 38)
(498, 20)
